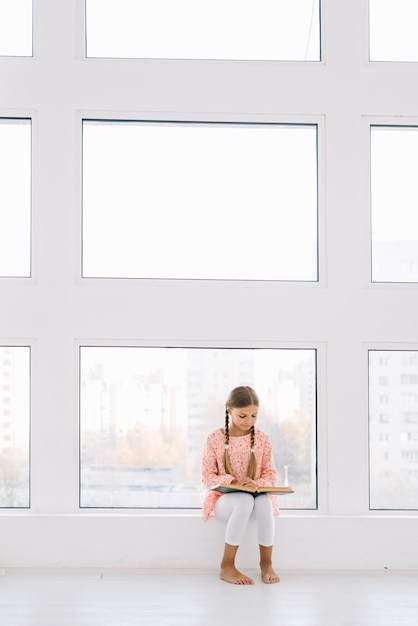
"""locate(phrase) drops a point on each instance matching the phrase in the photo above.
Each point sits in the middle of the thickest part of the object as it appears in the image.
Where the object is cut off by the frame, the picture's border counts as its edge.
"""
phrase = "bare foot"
(232, 575)
(268, 575)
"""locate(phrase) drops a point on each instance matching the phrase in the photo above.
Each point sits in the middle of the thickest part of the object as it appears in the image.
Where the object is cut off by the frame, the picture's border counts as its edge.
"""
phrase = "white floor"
(199, 598)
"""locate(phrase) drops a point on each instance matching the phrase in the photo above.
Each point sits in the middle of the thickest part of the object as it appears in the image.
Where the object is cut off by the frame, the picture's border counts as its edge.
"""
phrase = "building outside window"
(14, 426)
(145, 414)
(393, 472)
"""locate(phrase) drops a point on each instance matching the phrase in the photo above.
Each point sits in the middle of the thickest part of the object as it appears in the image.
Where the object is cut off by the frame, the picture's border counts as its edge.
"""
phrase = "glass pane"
(393, 414)
(199, 201)
(16, 28)
(15, 197)
(146, 413)
(14, 426)
(393, 30)
(394, 202)
(198, 29)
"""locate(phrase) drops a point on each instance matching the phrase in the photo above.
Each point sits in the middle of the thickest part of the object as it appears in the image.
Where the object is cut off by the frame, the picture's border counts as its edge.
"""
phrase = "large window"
(199, 29)
(394, 201)
(15, 197)
(393, 30)
(200, 201)
(15, 27)
(193, 206)
(14, 426)
(145, 413)
(393, 409)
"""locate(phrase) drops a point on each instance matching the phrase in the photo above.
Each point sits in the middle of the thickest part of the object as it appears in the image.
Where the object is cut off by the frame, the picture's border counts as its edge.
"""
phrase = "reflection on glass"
(394, 201)
(14, 426)
(15, 197)
(146, 412)
(285, 30)
(199, 201)
(16, 28)
(393, 30)
(393, 419)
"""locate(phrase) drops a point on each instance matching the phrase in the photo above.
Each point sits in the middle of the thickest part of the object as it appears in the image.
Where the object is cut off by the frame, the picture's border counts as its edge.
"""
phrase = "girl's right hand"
(246, 482)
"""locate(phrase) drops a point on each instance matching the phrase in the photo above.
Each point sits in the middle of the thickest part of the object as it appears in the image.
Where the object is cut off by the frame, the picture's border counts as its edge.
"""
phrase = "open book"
(255, 491)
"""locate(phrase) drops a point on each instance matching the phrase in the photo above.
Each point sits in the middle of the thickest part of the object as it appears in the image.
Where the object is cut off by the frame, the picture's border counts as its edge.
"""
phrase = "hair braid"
(227, 461)
(252, 465)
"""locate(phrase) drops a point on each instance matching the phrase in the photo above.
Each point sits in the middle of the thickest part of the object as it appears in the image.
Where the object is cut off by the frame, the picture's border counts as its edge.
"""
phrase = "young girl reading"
(239, 454)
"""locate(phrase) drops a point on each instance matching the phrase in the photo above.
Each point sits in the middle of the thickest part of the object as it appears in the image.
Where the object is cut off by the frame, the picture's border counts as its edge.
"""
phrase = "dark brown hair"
(238, 398)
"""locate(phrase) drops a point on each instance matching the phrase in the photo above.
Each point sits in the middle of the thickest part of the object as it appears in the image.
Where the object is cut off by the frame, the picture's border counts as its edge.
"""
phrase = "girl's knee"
(263, 503)
(246, 502)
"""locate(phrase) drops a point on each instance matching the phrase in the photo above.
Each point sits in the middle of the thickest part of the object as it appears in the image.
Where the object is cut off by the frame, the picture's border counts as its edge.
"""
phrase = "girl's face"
(242, 419)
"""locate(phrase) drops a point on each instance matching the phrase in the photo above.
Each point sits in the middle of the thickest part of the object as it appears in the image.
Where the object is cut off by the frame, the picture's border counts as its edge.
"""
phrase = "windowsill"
(196, 514)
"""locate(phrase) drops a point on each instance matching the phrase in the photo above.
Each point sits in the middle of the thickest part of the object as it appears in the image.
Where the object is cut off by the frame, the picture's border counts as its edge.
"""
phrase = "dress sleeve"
(268, 473)
(212, 473)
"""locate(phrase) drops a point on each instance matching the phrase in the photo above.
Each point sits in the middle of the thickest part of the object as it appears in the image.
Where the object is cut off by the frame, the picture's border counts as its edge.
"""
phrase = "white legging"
(236, 508)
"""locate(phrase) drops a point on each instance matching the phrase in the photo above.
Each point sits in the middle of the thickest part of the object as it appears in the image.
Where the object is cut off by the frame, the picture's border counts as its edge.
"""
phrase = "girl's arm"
(211, 475)
(268, 473)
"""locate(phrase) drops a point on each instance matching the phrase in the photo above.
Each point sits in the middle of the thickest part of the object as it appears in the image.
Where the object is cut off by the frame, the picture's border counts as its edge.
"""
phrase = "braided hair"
(239, 398)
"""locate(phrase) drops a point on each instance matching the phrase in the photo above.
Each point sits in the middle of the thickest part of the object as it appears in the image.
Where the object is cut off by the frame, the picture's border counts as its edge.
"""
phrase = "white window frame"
(385, 347)
(219, 124)
(25, 56)
(21, 115)
(370, 122)
(290, 120)
(320, 475)
(190, 58)
(22, 343)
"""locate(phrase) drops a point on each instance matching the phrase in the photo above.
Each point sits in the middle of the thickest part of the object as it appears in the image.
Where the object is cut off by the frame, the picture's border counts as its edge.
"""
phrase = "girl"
(239, 454)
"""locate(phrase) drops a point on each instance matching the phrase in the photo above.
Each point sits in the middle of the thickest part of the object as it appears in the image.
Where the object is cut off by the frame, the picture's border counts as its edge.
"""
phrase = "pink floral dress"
(213, 469)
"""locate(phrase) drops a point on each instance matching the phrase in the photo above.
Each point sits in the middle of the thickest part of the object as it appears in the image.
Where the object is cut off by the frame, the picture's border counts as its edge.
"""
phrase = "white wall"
(186, 541)
(341, 316)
